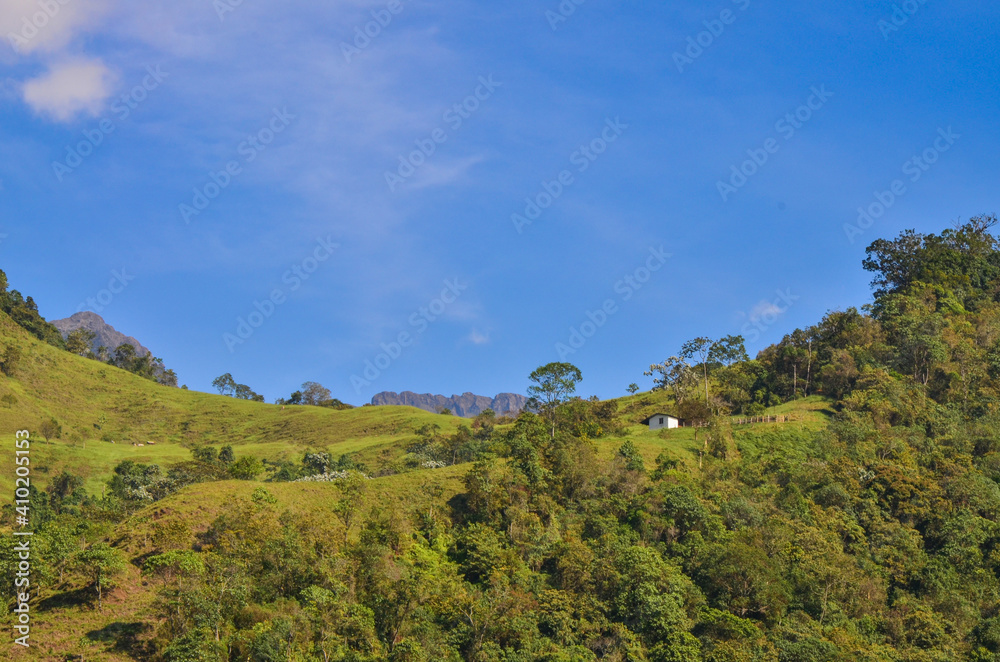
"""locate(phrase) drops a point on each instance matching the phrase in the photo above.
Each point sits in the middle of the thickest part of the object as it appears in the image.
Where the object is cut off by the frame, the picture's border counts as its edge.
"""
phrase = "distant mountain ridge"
(467, 404)
(104, 333)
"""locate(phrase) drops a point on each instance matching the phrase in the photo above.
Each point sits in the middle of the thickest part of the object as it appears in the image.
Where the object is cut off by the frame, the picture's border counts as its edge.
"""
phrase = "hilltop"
(105, 335)
(466, 405)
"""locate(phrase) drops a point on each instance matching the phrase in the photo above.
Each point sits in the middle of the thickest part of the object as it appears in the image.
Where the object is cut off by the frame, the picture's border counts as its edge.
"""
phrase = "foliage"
(246, 468)
(10, 359)
(102, 564)
(81, 342)
(226, 385)
(50, 429)
(24, 312)
(551, 385)
(315, 394)
(147, 366)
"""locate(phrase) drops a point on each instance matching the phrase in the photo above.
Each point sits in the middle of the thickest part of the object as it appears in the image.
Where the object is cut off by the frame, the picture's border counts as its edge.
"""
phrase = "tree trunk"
(705, 366)
(809, 365)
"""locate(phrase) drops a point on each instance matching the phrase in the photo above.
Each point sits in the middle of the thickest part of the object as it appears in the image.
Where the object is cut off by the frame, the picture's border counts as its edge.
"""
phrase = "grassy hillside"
(104, 410)
(685, 444)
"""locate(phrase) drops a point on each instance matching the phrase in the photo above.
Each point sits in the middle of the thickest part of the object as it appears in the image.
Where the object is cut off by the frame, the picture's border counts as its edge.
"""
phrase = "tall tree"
(706, 351)
(699, 348)
(226, 385)
(554, 383)
(728, 350)
(314, 393)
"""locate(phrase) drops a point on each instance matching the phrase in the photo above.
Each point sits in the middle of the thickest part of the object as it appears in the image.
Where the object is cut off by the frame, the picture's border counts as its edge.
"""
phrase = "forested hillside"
(865, 529)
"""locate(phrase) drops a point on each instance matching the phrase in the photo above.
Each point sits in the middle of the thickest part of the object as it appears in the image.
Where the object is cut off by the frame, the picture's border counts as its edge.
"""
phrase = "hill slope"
(103, 410)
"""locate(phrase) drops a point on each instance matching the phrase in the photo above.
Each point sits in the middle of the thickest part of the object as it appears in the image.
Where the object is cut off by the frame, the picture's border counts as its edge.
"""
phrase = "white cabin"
(662, 422)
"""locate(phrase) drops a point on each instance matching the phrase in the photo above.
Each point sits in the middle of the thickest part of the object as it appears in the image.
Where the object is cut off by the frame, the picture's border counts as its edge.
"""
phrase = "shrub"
(10, 360)
(246, 468)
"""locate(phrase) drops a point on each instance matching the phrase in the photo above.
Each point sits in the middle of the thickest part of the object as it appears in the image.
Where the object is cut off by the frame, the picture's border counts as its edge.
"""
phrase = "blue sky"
(641, 125)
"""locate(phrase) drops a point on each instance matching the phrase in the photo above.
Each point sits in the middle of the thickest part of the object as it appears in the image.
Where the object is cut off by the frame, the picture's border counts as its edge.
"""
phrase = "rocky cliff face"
(467, 404)
(105, 334)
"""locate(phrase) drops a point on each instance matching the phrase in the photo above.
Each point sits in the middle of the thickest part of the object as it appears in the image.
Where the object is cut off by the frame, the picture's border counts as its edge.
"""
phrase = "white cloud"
(47, 31)
(46, 25)
(70, 88)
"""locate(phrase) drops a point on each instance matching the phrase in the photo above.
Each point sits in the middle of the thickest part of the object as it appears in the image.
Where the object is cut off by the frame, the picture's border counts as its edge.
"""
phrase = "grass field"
(103, 411)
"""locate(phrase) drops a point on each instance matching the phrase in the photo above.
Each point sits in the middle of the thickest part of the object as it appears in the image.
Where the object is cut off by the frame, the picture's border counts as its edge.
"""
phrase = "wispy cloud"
(443, 174)
(765, 309)
(478, 338)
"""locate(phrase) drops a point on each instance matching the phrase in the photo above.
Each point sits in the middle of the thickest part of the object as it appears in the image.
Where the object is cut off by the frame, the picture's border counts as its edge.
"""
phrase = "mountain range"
(467, 404)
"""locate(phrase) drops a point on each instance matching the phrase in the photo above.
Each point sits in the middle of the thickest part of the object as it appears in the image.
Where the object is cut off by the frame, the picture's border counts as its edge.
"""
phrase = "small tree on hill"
(225, 384)
(352, 495)
(125, 357)
(206, 454)
(317, 463)
(294, 399)
(50, 429)
(81, 342)
(102, 564)
(314, 393)
(630, 457)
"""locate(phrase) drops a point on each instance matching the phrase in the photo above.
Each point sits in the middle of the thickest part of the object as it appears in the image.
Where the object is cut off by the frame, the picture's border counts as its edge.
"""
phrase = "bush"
(246, 468)
(10, 360)
(206, 454)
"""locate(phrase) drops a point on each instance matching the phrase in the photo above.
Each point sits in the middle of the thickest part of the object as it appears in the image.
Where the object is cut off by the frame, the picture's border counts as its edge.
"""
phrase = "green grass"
(684, 444)
(97, 404)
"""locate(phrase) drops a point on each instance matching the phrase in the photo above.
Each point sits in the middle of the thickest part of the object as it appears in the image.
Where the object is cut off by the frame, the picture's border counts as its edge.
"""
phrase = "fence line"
(740, 420)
